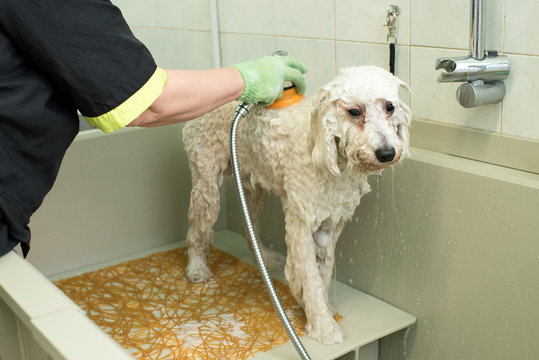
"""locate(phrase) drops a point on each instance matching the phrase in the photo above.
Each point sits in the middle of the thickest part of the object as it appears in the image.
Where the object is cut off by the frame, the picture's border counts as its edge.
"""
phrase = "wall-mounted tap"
(481, 71)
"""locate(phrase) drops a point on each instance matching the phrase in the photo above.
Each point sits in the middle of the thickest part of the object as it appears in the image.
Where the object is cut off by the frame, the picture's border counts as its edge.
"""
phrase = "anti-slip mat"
(150, 309)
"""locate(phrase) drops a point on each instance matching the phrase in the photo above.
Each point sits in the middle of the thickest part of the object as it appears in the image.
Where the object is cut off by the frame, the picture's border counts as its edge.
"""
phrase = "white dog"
(315, 156)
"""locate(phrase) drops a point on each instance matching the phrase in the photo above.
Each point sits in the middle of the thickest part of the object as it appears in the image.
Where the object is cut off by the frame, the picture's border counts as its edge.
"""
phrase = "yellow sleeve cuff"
(131, 108)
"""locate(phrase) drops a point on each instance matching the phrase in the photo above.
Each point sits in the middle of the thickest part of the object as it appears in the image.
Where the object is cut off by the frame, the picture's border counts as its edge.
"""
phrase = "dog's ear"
(404, 85)
(322, 138)
(404, 115)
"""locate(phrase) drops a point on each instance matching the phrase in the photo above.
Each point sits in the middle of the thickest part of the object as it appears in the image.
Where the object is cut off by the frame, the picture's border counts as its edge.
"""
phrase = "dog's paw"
(197, 272)
(327, 333)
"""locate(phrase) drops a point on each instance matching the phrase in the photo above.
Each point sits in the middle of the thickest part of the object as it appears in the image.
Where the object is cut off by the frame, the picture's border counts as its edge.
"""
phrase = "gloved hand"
(264, 78)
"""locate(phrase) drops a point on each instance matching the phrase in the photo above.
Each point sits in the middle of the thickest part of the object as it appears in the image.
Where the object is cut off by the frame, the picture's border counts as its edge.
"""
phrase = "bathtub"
(122, 196)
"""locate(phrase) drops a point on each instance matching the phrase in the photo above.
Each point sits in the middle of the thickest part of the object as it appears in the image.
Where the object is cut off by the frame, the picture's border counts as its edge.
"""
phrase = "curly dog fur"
(315, 156)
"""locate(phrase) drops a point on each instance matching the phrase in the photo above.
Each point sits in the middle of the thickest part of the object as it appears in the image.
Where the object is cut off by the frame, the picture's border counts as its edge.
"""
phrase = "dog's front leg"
(306, 284)
(326, 238)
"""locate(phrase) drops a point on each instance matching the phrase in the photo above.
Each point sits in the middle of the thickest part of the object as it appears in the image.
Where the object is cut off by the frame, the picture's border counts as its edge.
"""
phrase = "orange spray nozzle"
(290, 96)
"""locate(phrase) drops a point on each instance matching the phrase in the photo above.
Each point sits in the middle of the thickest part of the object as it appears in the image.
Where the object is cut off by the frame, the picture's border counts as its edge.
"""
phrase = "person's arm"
(189, 94)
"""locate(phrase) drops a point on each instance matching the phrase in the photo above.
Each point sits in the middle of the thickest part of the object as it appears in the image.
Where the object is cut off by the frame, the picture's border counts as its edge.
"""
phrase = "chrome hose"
(241, 111)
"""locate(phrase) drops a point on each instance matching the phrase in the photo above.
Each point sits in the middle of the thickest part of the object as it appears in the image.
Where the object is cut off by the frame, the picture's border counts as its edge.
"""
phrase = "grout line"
(504, 25)
(432, 47)
(334, 38)
(410, 95)
(500, 116)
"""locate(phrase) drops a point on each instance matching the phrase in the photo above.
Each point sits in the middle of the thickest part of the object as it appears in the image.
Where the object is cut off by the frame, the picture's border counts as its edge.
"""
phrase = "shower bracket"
(481, 71)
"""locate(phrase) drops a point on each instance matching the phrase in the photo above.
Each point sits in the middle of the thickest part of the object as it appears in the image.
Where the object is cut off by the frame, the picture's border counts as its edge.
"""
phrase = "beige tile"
(237, 48)
(356, 54)
(196, 14)
(317, 55)
(135, 12)
(249, 17)
(522, 27)
(437, 101)
(522, 88)
(175, 14)
(305, 18)
(166, 45)
(198, 52)
(446, 23)
(162, 13)
(167, 14)
(363, 20)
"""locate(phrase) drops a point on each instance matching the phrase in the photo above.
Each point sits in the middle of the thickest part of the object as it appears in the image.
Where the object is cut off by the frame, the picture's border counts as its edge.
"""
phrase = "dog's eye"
(354, 112)
(390, 108)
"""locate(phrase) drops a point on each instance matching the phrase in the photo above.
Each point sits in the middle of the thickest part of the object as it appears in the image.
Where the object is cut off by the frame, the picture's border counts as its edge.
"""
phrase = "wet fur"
(316, 158)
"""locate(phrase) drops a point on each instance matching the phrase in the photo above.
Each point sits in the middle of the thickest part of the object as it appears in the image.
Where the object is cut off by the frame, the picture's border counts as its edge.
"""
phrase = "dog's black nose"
(385, 154)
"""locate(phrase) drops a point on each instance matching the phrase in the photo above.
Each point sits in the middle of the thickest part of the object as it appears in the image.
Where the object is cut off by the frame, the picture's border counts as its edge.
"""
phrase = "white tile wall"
(236, 16)
(329, 34)
(236, 48)
(519, 117)
(168, 46)
(446, 23)
(364, 20)
(150, 13)
(197, 52)
(195, 14)
(305, 18)
(521, 27)
(356, 53)
(177, 32)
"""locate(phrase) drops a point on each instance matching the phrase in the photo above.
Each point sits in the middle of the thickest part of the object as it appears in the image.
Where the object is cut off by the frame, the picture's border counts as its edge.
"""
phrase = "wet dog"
(315, 156)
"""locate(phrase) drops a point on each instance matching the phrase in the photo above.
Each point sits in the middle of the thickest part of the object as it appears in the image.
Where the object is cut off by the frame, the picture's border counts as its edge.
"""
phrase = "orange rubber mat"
(150, 309)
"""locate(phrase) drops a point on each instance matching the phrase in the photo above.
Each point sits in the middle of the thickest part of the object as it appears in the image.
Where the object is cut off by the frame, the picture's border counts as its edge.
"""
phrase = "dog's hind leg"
(255, 198)
(206, 173)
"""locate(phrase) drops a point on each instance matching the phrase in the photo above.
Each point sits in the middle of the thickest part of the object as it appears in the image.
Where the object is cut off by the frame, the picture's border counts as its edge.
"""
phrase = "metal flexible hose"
(241, 111)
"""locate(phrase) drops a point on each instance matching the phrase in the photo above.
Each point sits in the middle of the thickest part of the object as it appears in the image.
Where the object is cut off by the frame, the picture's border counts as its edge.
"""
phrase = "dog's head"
(359, 123)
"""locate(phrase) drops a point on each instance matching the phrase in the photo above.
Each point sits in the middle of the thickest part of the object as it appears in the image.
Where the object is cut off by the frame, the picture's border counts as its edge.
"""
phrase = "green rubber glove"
(264, 78)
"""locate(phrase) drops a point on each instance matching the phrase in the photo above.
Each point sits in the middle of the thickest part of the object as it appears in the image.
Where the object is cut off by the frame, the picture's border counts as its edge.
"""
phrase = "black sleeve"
(85, 46)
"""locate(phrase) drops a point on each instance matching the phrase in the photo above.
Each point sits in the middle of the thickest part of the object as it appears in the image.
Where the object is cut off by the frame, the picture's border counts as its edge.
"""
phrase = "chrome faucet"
(483, 72)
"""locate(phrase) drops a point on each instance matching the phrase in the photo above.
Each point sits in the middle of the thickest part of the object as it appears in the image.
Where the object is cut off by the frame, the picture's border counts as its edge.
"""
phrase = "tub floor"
(364, 318)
